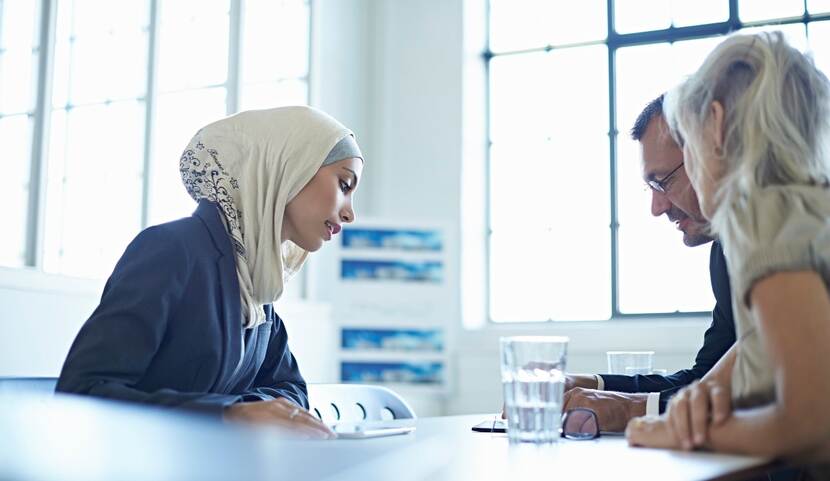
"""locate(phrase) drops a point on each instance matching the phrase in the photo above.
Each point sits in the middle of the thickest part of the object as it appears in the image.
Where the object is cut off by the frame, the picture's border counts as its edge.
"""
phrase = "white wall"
(417, 108)
(39, 317)
(341, 79)
(40, 314)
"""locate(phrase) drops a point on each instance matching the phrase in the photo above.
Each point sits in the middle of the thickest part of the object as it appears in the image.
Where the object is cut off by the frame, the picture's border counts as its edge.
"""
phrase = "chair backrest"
(28, 385)
(356, 402)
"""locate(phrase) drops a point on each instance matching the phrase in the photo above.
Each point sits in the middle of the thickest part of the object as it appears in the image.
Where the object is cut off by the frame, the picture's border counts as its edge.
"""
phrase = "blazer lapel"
(229, 290)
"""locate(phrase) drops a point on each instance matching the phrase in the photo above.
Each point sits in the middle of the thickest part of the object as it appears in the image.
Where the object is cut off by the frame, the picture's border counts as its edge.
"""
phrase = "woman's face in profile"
(704, 161)
(318, 212)
(704, 171)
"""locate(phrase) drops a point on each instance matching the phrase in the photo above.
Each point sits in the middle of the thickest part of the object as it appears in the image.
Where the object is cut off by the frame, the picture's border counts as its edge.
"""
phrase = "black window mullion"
(612, 165)
(47, 18)
(234, 57)
(734, 19)
(150, 99)
(488, 184)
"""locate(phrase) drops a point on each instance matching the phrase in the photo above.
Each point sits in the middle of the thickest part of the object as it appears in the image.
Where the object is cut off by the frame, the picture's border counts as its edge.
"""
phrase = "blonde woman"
(753, 122)
(186, 319)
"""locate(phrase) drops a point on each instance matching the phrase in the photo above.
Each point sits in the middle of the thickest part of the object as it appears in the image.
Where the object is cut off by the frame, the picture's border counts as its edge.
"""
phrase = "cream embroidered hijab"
(252, 164)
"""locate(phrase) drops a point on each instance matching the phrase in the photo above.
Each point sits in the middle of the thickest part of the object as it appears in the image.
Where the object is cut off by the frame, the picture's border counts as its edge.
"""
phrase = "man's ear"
(715, 124)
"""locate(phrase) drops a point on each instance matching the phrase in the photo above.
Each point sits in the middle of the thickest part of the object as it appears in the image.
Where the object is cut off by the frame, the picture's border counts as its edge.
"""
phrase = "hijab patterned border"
(204, 179)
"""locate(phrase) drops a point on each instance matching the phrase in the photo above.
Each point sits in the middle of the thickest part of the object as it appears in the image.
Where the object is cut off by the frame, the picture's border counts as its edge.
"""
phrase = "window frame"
(42, 112)
(614, 41)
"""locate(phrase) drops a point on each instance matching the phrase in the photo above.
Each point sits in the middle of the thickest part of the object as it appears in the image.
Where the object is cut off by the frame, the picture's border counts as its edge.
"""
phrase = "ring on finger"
(294, 413)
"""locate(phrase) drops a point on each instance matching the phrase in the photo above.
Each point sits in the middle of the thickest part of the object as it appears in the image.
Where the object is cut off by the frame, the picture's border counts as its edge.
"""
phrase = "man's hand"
(614, 409)
(586, 381)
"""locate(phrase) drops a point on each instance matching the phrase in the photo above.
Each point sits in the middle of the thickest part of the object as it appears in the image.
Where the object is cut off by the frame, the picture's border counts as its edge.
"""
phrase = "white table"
(70, 438)
(447, 448)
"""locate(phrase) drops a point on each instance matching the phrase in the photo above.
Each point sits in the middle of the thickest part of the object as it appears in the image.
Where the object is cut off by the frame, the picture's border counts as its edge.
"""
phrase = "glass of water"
(533, 378)
(630, 362)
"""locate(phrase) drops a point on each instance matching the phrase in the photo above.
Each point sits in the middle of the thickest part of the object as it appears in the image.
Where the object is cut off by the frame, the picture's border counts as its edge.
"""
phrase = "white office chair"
(334, 403)
(41, 386)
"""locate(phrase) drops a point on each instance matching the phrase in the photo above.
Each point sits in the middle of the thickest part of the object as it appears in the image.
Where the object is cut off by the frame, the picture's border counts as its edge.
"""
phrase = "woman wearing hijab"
(753, 122)
(185, 319)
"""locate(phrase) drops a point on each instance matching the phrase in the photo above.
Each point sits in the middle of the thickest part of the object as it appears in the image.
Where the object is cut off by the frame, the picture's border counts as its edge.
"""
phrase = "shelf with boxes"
(388, 284)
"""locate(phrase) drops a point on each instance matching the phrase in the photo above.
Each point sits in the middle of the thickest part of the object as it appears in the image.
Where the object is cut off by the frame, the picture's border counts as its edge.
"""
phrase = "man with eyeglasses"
(617, 398)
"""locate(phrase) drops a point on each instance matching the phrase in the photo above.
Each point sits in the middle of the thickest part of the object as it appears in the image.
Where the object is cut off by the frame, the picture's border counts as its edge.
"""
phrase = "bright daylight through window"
(131, 81)
(571, 231)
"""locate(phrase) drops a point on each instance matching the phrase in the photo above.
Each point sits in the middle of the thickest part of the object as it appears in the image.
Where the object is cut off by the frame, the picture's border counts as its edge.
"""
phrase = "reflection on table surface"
(78, 438)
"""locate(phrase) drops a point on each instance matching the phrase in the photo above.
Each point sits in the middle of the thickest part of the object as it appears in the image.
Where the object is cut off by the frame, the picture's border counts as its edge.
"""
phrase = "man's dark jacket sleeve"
(716, 341)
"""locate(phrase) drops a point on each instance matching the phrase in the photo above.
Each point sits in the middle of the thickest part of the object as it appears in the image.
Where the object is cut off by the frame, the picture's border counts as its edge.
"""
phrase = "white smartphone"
(358, 432)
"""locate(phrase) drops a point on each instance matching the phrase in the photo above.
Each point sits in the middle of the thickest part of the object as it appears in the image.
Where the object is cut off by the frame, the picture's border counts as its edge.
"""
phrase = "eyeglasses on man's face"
(662, 185)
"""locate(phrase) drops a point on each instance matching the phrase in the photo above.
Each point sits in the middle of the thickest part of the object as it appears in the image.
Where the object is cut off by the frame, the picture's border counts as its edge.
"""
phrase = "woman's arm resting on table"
(793, 313)
(721, 372)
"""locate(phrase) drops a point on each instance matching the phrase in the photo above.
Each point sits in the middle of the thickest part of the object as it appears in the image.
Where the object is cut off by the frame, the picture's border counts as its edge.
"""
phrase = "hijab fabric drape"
(251, 165)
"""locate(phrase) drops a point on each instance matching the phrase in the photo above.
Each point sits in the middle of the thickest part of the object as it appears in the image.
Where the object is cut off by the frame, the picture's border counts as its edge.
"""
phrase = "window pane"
(193, 44)
(93, 198)
(519, 277)
(274, 77)
(818, 6)
(538, 275)
(641, 15)
(519, 96)
(646, 15)
(754, 10)
(639, 80)
(18, 56)
(524, 24)
(540, 180)
(688, 56)
(795, 33)
(178, 117)
(536, 95)
(16, 139)
(18, 61)
(820, 44)
(541, 268)
(644, 240)
(92, 34)
(549, 121)
(63, 55)
(275, 40)
(273, 94)
(699, 12)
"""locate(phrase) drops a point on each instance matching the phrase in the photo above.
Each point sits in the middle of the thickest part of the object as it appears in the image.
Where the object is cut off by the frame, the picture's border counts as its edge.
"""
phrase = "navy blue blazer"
(168, 330)
(716, 341)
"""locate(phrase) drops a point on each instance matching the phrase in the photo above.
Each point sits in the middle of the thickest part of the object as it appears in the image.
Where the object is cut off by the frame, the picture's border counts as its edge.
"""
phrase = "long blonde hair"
(776, 113)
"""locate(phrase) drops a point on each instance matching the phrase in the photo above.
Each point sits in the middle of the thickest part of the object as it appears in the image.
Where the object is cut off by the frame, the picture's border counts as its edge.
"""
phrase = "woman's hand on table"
(690, 415)
(280, 412)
